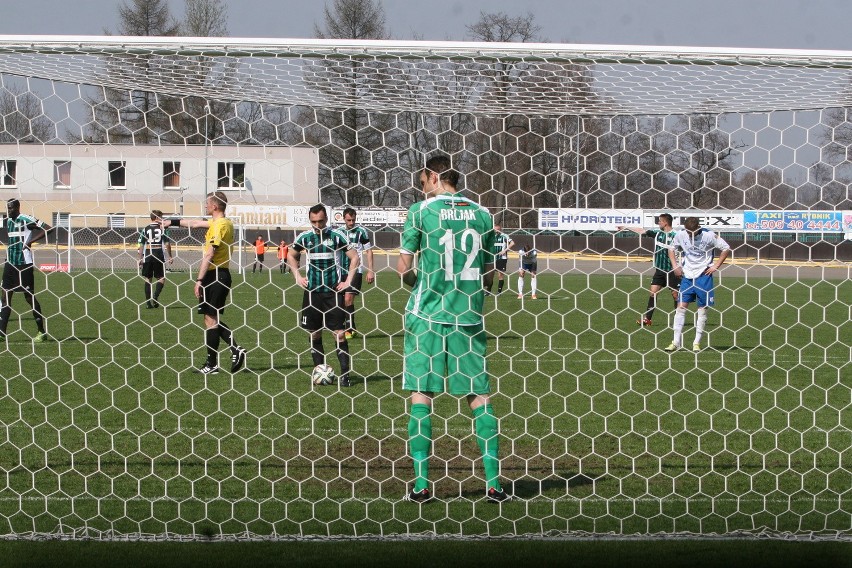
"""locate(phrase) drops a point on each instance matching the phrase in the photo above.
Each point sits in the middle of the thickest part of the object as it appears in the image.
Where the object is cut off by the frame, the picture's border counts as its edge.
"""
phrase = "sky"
(770, 24)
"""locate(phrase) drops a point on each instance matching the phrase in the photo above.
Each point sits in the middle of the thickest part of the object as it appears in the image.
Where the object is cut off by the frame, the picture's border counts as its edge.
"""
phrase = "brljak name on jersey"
(457, 215)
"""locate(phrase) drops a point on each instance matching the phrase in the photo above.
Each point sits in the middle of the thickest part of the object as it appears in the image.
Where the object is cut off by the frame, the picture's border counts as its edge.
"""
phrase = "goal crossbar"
(447, 77)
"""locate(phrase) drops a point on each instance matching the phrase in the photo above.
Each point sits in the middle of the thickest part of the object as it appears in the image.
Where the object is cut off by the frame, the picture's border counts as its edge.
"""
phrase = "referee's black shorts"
(215, 287)
(666, 279)
(19, 278)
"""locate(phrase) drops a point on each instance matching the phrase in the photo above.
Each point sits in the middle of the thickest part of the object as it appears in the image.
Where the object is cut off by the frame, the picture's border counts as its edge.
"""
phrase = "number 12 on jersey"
(469, 247)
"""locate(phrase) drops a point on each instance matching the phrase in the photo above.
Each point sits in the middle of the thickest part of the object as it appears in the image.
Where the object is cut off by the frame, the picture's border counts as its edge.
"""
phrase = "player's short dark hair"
(156, 214)
(318, 208)
(691, 224)
(350, 211)
(13, 204)
(442, 166)
(668, 218)
(220, 198)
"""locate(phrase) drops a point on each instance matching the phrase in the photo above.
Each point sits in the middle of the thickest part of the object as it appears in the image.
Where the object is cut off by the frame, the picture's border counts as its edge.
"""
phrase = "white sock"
(532, 286)
(700, 323)
(521, 285)
(679, 320)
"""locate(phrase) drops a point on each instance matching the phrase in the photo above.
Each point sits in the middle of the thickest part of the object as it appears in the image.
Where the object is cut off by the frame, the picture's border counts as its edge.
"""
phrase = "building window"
(231, 175)
(117, 175)
(115, 220)
(62, 174)
(61, 219)
(8, 173)
(171, 175)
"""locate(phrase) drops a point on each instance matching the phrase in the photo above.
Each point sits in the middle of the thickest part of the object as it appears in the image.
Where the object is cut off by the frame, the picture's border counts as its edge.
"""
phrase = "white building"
(53, 181)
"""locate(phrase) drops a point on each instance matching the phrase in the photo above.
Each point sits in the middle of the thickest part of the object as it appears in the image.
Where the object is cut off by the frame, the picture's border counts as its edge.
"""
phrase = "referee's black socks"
(211, 340)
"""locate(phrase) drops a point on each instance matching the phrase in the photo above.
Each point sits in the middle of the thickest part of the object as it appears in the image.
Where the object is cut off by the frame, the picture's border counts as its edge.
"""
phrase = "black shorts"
(666, 279)
(19, 278)
(260, 257)
(153, 267)
(357, 282)
(215, 288)
(323, 310)
(529, 267)
(500, 264)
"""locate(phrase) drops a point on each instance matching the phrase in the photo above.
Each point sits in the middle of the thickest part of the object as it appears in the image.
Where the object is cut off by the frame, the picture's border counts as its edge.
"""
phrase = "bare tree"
(702, 161)
(508, 186)
(353, 19)
(122, 116)
(206, 18)
(21, 118)
(147, 18)
(498, 26)
(351, 177)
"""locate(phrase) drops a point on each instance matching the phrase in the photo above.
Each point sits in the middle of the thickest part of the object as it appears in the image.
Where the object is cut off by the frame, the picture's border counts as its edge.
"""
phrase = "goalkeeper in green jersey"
(453, 238)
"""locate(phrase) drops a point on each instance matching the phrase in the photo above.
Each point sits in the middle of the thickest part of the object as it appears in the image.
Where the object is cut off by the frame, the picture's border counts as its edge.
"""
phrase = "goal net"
(107, 432)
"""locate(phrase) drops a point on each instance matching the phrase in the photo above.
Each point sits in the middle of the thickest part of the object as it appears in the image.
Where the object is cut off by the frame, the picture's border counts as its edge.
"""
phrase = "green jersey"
(153, 240)
(662, 244)
(359, 239)
(19, 230)
(501, 245)
(453, 239)
(324, 266)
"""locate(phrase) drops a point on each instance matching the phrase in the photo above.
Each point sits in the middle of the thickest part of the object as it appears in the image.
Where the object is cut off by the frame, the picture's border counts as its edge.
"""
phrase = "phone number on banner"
(794, 221)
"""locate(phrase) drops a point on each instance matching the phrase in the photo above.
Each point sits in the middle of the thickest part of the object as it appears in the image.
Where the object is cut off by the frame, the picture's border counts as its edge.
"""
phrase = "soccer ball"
(322, 375)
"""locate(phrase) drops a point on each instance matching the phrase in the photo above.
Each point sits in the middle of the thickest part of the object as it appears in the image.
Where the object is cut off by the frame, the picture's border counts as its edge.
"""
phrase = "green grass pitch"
(106, 430)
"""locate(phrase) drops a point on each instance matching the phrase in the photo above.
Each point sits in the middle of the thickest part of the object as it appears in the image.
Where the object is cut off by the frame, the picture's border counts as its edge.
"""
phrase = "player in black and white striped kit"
(154, 243)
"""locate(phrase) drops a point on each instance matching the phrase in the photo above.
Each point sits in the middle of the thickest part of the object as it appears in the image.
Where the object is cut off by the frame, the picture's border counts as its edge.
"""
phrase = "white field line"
(759, 354)
(403, 430)
(539, 499)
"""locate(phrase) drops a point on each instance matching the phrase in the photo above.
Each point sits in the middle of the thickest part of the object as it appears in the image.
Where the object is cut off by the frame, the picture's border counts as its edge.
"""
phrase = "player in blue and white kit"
(699, 248)
(528, 263)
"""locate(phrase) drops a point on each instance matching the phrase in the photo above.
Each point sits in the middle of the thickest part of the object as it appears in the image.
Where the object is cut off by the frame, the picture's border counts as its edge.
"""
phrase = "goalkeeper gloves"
(172, 222)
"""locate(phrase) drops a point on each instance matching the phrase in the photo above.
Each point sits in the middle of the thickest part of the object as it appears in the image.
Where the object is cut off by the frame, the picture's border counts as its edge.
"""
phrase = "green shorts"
(437, 354)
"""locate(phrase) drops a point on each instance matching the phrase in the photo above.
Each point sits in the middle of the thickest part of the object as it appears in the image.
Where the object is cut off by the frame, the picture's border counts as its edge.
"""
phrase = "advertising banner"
(714, 220)
(373, 217)
(794, 221)
(588, 219)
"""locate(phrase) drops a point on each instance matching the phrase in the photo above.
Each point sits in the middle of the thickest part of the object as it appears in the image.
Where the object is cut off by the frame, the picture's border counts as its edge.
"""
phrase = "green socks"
(420, 443)
(485, 425)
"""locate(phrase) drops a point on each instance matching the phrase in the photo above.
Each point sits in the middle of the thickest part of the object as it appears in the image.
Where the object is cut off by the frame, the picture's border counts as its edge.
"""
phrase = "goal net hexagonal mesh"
(107, 433)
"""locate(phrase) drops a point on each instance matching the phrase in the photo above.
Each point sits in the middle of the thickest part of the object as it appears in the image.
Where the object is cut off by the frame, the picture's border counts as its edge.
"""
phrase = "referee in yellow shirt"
(213, 282)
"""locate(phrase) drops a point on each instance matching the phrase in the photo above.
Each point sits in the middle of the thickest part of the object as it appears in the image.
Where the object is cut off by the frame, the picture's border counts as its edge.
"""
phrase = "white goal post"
(106, 432)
